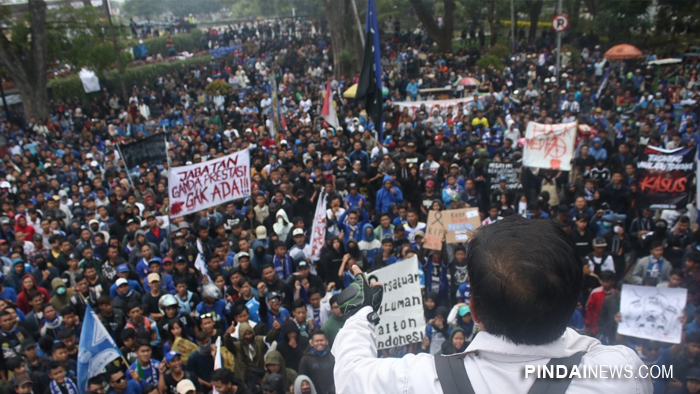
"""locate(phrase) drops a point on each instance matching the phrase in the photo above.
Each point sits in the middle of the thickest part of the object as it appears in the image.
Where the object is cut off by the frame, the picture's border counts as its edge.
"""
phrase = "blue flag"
(369, 87)
(97, 349)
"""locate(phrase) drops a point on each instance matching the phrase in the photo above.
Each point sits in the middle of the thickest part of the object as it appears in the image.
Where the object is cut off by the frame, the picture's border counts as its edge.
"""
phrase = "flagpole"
(128, 176)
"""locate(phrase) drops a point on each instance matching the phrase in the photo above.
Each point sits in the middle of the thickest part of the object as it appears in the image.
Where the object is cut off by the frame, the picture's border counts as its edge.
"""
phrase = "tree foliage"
(154, 9)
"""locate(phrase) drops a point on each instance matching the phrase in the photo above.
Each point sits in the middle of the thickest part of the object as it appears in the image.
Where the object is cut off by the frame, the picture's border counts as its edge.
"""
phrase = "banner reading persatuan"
(214, 182)
(665, 177)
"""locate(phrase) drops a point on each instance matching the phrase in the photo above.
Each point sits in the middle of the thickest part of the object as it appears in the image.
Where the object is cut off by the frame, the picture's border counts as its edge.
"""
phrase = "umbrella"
(468, 81)
(622, 52)
(352, 91)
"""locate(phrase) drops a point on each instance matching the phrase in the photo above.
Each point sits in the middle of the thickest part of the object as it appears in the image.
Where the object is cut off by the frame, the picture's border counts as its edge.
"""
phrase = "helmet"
(210, 290)
(166, 301)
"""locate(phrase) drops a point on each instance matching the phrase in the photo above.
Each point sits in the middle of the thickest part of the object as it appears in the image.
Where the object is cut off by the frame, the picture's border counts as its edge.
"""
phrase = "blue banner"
(97, 349)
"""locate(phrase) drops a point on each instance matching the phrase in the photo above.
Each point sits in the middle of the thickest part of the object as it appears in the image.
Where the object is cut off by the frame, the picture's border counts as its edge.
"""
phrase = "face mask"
(61, 291)
(306, 390)
(607, 224)
(280, 221)
(204, 349)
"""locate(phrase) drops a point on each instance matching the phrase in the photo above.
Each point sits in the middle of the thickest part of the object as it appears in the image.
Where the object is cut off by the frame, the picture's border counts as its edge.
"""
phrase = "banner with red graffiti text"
(549, 146)
(208, 184)
(665, 177)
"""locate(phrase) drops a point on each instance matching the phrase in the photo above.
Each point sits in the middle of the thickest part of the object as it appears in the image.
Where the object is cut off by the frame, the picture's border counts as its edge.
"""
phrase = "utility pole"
(512, 24)
(560, 11)
(117, 51)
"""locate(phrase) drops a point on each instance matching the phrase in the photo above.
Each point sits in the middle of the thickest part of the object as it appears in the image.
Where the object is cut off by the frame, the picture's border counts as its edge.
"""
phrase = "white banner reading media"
(402, 321)
(549, 146)
(203, 185)
(652, 312)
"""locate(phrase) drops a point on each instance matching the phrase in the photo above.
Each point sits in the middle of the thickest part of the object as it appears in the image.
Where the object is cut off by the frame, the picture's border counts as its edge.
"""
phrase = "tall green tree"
(443, 33)
(345, 38)
(24, 51)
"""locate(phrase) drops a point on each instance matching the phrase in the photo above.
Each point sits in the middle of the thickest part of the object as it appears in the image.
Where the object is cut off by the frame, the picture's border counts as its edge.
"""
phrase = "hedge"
(189, 42)
(70, 86)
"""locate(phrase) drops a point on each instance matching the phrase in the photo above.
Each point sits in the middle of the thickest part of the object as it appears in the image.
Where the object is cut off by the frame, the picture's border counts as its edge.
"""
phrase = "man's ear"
(475, 315)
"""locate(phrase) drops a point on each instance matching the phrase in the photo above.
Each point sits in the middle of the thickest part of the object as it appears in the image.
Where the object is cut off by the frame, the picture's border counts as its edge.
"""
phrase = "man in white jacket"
(525, 280)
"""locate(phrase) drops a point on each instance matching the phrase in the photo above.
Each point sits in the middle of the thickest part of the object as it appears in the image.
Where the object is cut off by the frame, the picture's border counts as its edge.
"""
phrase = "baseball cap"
(297, 231)
(122, 281)
(599, 242)
(243, 254)
(419, 233)
(27, 344)
(303, 264)
(272, 295)
(121, 268)
(153, 278)
(180, 259)
(22, 380)
(261, 233)
(185, 386)
(463, 310)
(171, 355)
(179, 234)
(5, 220)
(93, 221)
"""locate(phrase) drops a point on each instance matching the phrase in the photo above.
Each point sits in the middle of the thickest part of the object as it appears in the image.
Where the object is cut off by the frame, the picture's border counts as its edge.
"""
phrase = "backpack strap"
(452, 375)
(555, 385)
(453, 378)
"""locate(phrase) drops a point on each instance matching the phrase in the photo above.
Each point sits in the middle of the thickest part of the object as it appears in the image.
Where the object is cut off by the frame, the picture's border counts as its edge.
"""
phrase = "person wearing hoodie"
(318, 363)
(387, 194)
(455, 344)
(275, 365)
(61, 295)
(29, 285)
(351, 225)
(293, 344)
(249, 352)
(282, 226)
(304, 385)
(369, 245)
(335, 321)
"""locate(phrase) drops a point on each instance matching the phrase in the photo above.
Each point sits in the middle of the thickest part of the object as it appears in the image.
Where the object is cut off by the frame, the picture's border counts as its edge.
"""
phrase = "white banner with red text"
(549, 146)
(208, 184)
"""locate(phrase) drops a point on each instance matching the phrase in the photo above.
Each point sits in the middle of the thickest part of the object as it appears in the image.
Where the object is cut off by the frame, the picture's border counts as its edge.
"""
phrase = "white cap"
(122, 281)
(185, 386)
(89, 156)
(93, 163)
(5, 185)
(297, 231)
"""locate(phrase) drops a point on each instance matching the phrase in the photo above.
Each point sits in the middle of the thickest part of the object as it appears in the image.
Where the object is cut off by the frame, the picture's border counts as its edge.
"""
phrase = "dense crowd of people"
(79, 229)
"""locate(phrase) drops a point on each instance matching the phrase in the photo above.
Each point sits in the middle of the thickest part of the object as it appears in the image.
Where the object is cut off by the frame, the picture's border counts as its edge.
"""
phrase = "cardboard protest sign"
(401, 312)
(549, 146)
(185, 348)
(459, 223)
(434, 231)
(228, 359)
(652, 312)
(665, 177)
(214, 182)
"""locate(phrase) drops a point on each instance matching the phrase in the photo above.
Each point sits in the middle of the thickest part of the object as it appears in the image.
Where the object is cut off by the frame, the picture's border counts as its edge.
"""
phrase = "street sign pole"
(561, 11)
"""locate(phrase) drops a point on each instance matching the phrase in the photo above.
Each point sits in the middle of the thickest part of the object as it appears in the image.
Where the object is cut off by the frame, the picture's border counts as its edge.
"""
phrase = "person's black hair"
(53, 364)
(607, 275)
(104, 300)
(312, 291)
(524, 271)
(684, 219)
(298, 303)
(388, 241)
(65, 334)
(96, 380)
(238, 309)
(460, 248)
(317, 332)
(334, 298)
(127, 333)
(693, 337)
(46, 306)
(14, 363)
(148, 389)
(676, 271)
(657, 243)
(79, 277)
(142, 342)
(58, 346)
(222, 375)
(99, 234)
(694, 256)
(67, 310)
(45, 344)
(131, 305)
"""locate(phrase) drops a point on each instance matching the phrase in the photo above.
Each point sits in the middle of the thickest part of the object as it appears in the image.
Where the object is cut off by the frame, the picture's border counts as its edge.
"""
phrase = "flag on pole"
(278, 123)
(217, 360)
(318, 230)
(328, 111)
(96, 350)
(370, 86)
(604, 82)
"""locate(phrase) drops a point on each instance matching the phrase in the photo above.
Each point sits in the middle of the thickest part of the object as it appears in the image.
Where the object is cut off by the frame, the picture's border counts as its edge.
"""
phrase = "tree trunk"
(534, 9)
(491, 17)
(574, 14)
(345, 39)
(28, 70)
(592, 7)
(442, 35)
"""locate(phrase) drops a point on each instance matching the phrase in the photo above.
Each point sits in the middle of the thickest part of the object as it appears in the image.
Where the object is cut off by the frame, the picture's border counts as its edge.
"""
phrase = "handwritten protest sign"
(214, 182)
(434, 231)
(508, 171)
(665, 177)
(652, 312)
(459, 223)
(402, 321)
(185, 348)
(147, 150)
(549, 146)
